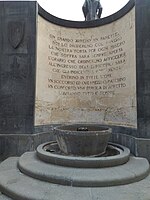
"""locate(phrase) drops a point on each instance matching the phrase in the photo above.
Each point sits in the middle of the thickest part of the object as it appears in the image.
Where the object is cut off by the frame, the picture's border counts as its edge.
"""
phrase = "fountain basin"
(82, 139)
(115, 155)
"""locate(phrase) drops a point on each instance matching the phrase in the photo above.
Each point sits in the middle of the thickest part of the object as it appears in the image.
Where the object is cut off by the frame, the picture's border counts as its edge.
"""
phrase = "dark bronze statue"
(92, 9)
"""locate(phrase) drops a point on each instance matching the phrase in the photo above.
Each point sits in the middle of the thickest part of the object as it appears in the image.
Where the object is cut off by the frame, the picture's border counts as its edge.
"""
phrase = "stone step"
(134, 170)
(21, 187)
(3, 197)
(9, 163)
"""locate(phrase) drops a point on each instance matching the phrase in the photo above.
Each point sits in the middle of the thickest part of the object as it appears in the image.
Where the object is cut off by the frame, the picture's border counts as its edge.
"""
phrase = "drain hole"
(50, 150)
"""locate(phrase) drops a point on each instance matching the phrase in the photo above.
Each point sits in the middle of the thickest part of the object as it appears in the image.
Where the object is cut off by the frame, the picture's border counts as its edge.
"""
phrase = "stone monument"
(59, 72)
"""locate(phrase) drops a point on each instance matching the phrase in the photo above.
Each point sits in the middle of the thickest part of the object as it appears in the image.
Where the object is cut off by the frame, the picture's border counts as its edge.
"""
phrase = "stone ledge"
(134, 170)
(17, 144)
(84, 162)
(140, 147)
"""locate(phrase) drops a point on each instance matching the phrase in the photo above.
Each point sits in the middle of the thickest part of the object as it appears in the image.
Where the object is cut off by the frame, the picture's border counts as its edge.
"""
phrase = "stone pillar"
(17, 66)
(143, 67)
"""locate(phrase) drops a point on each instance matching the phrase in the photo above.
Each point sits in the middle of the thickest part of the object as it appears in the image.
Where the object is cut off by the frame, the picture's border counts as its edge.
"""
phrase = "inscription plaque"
(86, 75)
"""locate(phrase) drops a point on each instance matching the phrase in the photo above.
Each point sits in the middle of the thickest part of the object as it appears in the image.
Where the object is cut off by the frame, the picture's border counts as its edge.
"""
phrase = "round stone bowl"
(82, 140)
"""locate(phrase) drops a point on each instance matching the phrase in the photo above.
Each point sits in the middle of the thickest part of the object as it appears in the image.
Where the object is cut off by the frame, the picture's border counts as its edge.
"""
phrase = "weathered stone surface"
(143, 66)
(19, 186)
(17, 62)
(17, 66)
(115, 155)
(3, 197)
(138, 146)
(82, 139)
(17, 144)
(134, 170)
(86, 74)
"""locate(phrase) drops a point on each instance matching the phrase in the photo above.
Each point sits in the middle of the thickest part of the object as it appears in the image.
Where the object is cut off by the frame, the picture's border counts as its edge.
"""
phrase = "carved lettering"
(86, 75)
